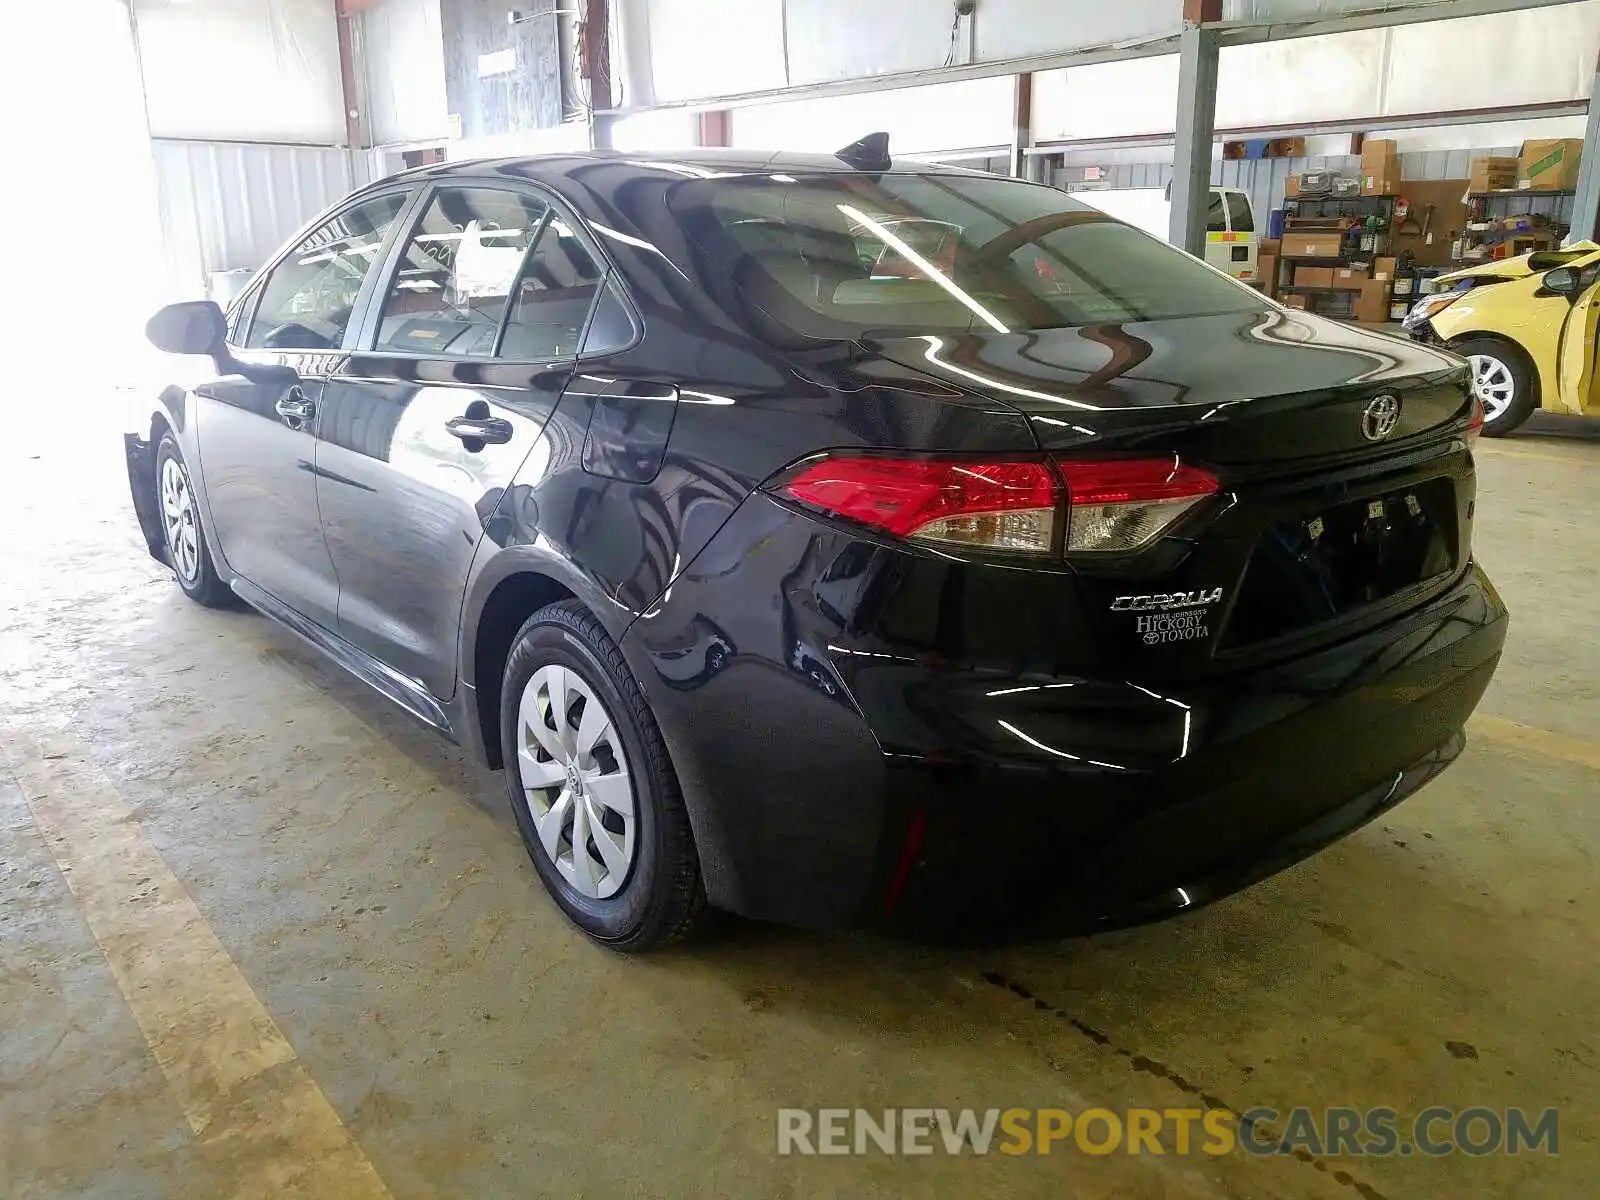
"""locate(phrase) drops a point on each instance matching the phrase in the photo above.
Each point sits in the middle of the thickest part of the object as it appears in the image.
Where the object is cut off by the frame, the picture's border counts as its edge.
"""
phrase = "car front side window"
(307, 299)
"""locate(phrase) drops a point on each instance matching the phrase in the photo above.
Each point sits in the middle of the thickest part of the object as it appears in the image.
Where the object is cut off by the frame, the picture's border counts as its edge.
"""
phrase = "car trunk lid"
(1347, 484)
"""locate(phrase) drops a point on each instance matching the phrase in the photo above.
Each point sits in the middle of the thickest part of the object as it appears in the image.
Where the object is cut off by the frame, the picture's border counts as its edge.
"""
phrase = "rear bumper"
(848, 783)
(1192, 793)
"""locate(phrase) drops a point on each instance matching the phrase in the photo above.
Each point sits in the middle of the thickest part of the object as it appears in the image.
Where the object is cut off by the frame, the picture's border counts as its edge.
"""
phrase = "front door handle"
(296, 408)
(482, 430)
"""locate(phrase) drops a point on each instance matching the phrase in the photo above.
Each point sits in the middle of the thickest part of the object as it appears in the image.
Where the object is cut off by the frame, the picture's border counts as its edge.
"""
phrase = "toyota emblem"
(1382, 415)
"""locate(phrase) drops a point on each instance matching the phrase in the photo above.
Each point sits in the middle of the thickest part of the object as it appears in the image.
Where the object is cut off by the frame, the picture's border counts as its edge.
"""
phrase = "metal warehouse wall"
(692, 49)
(1544, 56)
(226, 205)
(502, 78)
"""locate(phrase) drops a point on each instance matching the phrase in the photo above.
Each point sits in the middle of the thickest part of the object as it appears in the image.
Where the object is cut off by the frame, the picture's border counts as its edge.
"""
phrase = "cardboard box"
(1312, 245)
(1291, 187)
(1316, 183)
(1267, 272)
(1380, 167)
(1384, 267)
(1373, 303)
(1382, 183)
(1549, 163)
(1297, 301)
(1375, 151)
(1270, 246)
(1351, 278)
(1313, 277)
(1492, 173)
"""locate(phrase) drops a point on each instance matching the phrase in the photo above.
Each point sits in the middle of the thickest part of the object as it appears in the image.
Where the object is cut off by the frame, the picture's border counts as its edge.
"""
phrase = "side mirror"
(1563, 281)
(199, 327)
(191, 327)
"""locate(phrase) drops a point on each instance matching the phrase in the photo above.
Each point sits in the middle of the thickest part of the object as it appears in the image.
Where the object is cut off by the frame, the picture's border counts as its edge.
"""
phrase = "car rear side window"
(553, 296)
(307, 298)
(457, 272)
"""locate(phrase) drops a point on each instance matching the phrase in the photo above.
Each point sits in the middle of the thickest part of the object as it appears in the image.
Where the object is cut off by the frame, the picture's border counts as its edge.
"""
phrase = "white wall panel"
(1267, 11)
(715, 47)
(226, 205)
(1546, 55)
(1012, 28)
(851, 39)
(1107, 99)
(948, 116)
(669, 129)
(1492, 133)
(402, 49)
(1515, 58)
(1302, 79)
(245, 70)
(707, 48)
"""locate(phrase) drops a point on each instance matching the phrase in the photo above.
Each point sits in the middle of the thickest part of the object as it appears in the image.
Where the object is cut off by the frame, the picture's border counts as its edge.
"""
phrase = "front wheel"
(1502, 376)
(181, 529)
(592, 786)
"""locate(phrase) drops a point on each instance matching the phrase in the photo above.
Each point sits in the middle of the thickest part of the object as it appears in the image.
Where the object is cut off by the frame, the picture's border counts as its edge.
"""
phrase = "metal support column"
(1586, 204)
(594, 66)
(1021, 122)
(1198, 47)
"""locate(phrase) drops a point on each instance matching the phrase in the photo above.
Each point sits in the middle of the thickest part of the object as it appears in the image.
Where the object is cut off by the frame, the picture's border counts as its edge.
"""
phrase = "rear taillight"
(1108, 507)
(1010, 506)
(1119, 506)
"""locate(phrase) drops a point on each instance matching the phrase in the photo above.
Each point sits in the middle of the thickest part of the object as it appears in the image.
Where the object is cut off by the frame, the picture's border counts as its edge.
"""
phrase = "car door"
(1580, 341)
(466, 351)
(257, 439)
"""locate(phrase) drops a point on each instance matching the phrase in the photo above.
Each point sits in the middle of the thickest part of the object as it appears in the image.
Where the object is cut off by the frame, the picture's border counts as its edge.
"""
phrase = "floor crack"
(1160, 1070)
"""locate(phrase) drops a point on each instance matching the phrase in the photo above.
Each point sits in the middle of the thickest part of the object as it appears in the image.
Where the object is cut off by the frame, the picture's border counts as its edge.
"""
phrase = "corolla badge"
(1164, 601)
(1382, 415)
(1170, 616)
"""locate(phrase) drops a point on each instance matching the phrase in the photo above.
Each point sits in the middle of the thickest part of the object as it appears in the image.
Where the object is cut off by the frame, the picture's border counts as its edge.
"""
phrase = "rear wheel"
(181, 530)
(1503, 377)
(592, 787)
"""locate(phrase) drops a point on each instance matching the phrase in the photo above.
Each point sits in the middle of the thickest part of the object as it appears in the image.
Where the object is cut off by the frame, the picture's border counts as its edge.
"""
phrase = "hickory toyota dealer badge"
(1170, 616)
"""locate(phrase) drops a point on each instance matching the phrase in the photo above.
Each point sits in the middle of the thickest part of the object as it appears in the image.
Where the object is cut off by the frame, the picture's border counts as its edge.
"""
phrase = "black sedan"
(838, 540)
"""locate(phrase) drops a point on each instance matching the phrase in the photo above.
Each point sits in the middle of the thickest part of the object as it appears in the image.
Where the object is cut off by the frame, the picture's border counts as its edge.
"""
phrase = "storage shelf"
(1522, 192)
(1308, 289)
(1337, 199)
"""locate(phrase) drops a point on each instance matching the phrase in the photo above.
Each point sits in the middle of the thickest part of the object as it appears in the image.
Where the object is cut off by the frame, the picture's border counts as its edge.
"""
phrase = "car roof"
(698, 160)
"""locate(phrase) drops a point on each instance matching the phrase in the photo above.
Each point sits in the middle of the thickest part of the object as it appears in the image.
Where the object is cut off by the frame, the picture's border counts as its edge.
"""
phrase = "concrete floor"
(364, 921)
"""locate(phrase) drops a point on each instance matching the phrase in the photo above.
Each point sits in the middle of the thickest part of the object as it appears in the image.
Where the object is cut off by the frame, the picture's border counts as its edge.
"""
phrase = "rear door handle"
(483, 430)
(295, 408)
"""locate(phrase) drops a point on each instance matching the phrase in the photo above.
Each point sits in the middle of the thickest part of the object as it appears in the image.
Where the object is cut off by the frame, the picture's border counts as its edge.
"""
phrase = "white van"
(1232, 242)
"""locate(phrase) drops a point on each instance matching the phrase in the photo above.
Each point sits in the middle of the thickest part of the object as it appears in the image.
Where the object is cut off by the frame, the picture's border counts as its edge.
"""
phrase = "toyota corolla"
(793, 562)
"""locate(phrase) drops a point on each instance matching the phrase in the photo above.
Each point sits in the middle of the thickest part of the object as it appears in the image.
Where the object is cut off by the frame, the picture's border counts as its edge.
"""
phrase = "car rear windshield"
(846, 256)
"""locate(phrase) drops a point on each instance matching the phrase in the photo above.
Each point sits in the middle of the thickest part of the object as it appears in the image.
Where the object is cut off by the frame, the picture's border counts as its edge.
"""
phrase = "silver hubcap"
(1495, 384)
(575, 781)
(177, 511)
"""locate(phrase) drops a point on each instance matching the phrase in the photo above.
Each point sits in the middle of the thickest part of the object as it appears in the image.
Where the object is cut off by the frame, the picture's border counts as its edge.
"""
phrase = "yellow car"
(1528, 326)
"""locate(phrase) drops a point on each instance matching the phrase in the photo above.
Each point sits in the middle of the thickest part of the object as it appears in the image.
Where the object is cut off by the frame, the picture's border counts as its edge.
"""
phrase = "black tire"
(201, 582)
(1525, 385)
(662, 899)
